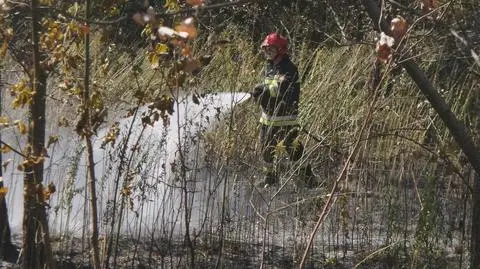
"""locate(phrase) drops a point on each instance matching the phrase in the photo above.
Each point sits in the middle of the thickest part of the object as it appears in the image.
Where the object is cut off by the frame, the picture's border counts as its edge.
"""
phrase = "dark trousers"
(271, 136)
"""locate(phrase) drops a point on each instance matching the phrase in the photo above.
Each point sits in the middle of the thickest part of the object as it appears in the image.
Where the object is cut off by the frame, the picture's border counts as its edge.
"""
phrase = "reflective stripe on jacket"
(278, 120)
(272, 84)
(281, 94)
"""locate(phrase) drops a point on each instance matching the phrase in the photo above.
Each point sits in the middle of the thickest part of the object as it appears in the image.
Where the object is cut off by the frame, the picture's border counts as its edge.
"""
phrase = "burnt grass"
(378, 229)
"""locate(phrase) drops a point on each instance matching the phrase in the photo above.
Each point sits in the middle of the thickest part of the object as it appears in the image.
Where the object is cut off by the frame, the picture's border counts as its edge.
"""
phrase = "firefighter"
(278, 97)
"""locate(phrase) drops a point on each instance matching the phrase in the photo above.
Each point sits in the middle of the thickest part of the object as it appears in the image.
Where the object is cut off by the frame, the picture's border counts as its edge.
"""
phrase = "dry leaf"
(22, 128)
(384, 47)
(187, 29)
(3, 192)
(428, 6)
(399, 27)
(48, 191)
(127, 190)
(154, 60)
(186, 51)
(195, 3)
(84, 29)
(23, 166)
(4, 122)
(5, 149)
(44, 153)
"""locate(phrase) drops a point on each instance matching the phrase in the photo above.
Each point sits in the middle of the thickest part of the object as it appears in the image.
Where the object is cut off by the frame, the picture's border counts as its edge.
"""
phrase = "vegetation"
(390, 124)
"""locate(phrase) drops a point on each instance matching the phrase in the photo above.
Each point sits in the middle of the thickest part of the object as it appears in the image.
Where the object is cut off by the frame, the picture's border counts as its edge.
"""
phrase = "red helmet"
(276, 40)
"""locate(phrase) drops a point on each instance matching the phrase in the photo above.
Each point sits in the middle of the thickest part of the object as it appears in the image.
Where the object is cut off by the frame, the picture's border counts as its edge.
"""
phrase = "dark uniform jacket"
(280, 96)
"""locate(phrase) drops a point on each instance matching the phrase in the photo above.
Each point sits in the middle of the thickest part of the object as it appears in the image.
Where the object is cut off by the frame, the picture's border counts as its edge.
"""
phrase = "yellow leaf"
(154, 60)
(114, 11)
(161, 48)
(5, 149)
(6, 37)
(171, 5)
(76, 91)
(96, 100)
(112, 135)
(22, 93)
(3, 192)
(4, 121)
(22, 128)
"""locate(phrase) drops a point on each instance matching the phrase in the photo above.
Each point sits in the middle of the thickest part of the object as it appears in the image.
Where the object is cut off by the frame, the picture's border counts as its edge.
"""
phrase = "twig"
(375, 253)
(343, 174)
(455, 169)
(160, 14)
(475, 56)
(13, 149)
(353, 194)
(332, 198)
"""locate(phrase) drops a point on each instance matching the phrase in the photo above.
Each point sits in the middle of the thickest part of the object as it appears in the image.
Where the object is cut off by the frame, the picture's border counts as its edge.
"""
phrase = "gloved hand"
(258, 90)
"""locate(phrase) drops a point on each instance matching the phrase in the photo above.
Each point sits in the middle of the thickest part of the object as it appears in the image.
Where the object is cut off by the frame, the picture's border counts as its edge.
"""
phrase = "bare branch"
(456, 127)
(160, 14)
(13, 149)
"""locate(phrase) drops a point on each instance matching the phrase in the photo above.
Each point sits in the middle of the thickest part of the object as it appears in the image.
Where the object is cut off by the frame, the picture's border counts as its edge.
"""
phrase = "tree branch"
(456, 128)
(160, 14)
(13, 149)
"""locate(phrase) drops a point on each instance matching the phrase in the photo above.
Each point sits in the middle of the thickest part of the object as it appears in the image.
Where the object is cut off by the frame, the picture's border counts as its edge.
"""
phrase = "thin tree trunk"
(93, 204)
(37, 252)
(88, 141)
(456, 128)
